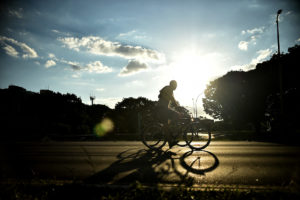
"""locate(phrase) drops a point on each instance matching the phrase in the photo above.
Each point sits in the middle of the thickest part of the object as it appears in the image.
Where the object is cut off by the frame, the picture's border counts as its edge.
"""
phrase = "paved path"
(222, 163)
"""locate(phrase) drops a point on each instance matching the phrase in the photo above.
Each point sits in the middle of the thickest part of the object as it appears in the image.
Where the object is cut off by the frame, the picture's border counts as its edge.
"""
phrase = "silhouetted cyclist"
(166, 113)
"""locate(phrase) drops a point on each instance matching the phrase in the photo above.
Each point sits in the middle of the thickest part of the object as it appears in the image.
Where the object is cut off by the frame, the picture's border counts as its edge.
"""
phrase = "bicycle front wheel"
(198, 138)
(184, 138)
(153, 136)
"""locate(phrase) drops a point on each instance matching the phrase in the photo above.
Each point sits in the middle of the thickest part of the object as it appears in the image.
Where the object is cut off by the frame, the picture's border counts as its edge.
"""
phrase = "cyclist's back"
(166, 114)
(165, 96)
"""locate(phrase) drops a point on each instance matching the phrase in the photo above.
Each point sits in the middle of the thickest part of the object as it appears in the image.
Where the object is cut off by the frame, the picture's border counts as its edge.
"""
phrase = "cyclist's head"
(173, 84)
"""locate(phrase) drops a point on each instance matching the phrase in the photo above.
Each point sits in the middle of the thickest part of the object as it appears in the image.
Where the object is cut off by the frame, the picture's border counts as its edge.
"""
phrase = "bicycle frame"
(191, 130)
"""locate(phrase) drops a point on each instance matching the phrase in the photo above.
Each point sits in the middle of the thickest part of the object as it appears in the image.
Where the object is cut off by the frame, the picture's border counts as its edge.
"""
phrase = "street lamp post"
(196, 104)
(277, 18)
(279, 64)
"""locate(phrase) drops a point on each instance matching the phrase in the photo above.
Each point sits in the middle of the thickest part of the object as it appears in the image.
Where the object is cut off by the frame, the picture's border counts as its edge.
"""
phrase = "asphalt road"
(242, 164)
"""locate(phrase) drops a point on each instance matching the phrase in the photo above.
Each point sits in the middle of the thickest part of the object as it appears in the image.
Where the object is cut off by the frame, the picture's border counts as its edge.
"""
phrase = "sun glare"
(193, 71)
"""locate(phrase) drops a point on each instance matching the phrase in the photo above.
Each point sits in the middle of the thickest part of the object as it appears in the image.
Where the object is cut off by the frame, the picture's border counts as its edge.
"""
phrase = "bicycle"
(189, 131)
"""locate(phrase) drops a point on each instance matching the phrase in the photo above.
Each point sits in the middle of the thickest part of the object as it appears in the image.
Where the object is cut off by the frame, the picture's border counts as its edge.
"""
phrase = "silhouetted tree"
(240, 97)
(26, 113)
(126, 113)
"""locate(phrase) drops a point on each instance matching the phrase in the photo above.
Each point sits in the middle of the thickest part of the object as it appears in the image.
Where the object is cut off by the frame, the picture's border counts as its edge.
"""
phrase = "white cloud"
(76, 75)
(288, 12)
(243, 45)
(55, 31)
(16, 13)
(263, 54)
(133, 67)
(99, 46)
(51, 55)
(100, 89)
(132, 35)
(50, 63)
(256, 30)
(27, 52)
(74, 65)
(98, 67)
(11, 51)
(60, 32)
(298, 40)
(253, 35)
(127, 34)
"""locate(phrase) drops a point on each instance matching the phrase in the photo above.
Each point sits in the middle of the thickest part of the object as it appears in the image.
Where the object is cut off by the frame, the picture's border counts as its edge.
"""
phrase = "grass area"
(134, 191)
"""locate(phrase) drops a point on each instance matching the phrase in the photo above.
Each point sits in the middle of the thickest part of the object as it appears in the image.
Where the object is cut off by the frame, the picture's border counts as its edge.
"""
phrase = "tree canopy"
(240, 97)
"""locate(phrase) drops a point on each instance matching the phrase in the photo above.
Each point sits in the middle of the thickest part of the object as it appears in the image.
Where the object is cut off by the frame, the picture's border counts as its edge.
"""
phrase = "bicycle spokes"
(200, 138)
(195, 134)
(153, 137)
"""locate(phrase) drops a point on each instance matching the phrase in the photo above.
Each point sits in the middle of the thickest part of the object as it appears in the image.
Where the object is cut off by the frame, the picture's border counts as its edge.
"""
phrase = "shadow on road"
(153, 167)
(192, 165)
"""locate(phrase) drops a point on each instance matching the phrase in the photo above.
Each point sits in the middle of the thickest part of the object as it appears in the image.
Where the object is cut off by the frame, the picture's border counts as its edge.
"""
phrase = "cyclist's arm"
(174, 102)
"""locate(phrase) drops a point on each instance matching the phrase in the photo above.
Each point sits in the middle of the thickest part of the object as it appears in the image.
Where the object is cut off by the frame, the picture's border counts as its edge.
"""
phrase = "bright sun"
(193, 71)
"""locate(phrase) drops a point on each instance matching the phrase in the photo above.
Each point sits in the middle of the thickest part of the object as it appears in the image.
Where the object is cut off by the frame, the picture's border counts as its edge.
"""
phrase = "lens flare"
(105, 126)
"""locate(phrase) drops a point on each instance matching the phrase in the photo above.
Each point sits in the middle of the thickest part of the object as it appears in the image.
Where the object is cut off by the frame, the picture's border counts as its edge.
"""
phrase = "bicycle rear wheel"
(153, 136)
(197, 137)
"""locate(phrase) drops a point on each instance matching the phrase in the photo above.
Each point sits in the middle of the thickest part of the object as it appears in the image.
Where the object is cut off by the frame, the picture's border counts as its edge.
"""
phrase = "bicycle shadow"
(198, 169)
(153, 167)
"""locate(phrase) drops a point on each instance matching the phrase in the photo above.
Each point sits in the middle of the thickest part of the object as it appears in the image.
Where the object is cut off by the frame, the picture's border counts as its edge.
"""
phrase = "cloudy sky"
(116, 49)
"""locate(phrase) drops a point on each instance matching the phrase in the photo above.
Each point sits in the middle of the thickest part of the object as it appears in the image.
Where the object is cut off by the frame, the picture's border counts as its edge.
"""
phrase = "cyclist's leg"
(173, 119)
(166, 117)
(163, 117)
(168, 132)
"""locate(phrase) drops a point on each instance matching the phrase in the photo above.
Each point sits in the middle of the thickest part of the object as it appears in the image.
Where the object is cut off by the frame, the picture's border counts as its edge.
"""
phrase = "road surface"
(235, 164)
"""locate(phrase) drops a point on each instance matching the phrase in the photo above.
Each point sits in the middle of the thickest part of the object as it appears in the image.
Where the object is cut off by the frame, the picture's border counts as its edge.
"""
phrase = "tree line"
(44, 113)
(239, 100)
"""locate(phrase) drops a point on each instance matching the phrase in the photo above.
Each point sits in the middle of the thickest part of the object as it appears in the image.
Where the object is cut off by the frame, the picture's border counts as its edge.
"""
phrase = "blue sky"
(116, 49)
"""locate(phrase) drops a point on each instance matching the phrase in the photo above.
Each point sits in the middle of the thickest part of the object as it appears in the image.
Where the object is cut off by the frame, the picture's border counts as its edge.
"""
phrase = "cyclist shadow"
(152, 167)
(136, 166)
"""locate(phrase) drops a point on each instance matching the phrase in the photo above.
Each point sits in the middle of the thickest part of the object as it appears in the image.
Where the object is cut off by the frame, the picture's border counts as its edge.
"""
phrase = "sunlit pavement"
(222, 164)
